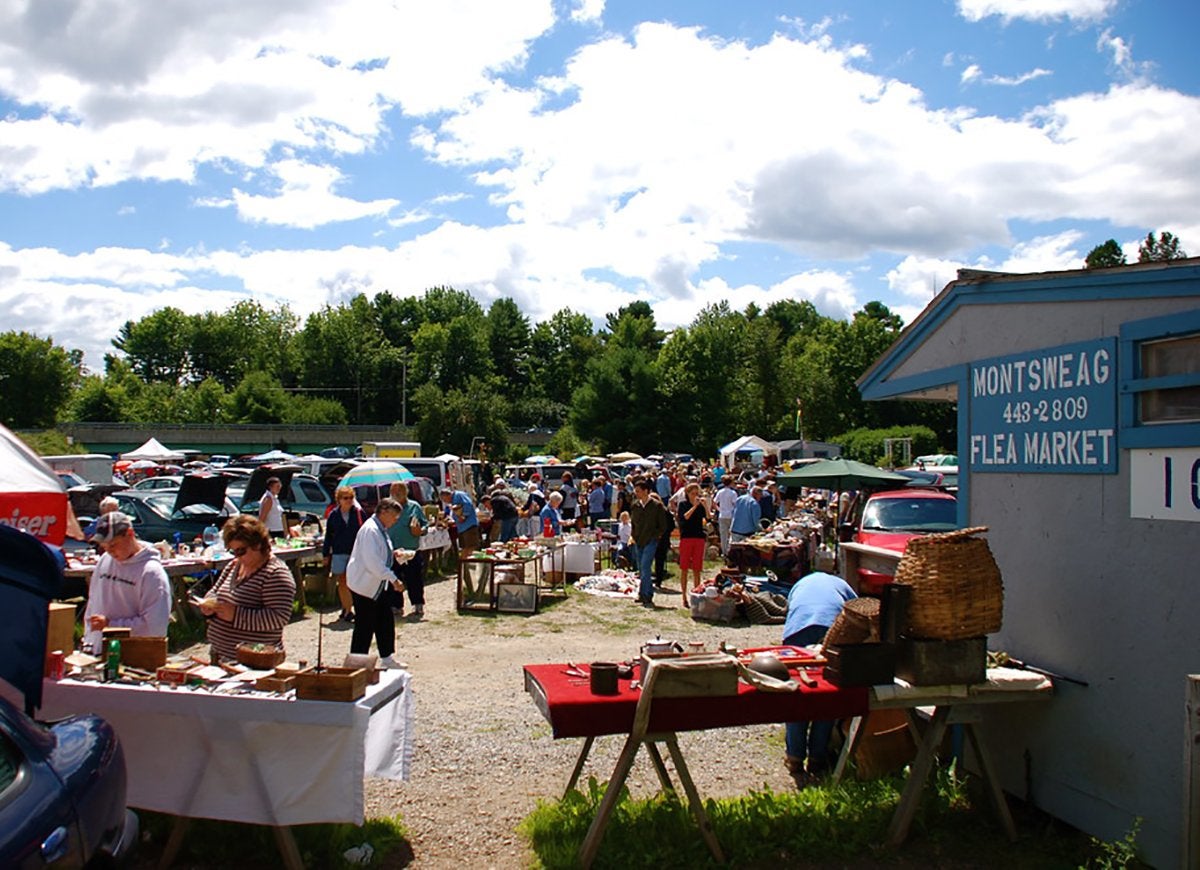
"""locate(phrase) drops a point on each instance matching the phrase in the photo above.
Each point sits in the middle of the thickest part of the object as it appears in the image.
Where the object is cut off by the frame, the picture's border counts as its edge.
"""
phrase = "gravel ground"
(484, 755)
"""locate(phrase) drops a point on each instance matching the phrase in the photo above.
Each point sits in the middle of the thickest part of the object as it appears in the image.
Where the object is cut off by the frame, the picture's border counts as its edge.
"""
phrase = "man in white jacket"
(129, 587)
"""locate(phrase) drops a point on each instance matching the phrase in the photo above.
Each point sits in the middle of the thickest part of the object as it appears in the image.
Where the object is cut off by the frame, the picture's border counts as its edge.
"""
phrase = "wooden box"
(860, 664)
(706, 676)
(942, 662)
(144, 653)
(275, 683)
(60, 630)
(331, 684)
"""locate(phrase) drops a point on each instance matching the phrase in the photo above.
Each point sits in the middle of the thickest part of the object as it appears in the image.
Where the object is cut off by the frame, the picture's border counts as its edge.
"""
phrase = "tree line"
(460, 372)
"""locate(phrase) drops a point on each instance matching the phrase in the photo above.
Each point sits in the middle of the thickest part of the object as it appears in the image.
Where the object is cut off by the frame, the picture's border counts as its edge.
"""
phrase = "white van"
(445, 470)
(92, 467)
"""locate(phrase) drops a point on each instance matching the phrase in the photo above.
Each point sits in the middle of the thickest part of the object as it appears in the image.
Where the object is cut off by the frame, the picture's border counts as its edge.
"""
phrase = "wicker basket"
(956, 587)
(259, 659)
(857, 623)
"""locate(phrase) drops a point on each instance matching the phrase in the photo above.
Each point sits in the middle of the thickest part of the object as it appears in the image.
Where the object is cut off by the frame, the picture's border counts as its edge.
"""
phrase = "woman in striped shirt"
(251, 601)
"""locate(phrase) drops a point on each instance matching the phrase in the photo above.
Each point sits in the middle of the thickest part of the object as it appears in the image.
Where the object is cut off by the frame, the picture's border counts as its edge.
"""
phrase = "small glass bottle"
(112, 664)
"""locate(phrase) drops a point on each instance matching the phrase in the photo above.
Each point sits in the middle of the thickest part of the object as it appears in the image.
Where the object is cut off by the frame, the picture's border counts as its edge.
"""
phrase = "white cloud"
(970, 74)
(305, 199)
(1020, 79)
(1036, 10)
(151, 91)
(588, 10)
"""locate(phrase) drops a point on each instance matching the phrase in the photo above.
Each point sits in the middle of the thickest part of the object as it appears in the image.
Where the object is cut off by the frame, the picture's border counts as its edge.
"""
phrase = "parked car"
(62, 785)
(154, 484)
(62, 793)
(199, 502)
(944, 477)
(890, 519)
(71, 479)
(301, 493)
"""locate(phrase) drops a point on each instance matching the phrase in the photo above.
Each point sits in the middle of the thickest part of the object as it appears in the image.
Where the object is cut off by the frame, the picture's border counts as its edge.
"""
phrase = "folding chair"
(664, 678)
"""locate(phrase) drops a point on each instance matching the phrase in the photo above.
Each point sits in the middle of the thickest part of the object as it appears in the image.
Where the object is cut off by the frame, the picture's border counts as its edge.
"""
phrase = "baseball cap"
(111, 525)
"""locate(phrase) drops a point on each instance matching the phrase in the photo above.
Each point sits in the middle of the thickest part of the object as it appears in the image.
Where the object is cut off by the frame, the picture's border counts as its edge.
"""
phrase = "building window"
(1159, 361)
(1165, 359)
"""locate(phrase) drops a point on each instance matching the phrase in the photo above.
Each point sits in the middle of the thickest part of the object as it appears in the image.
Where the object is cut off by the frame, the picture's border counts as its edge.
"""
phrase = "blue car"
(62, 784)
(62, 793)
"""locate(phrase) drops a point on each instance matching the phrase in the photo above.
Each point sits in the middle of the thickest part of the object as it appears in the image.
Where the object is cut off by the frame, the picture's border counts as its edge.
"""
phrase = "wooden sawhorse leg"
(595, 834)
(583, 754)
(918, 773)
(591, 843)
(694, 802)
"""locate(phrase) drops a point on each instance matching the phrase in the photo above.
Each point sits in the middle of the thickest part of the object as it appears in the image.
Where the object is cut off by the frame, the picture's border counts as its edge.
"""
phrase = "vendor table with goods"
(225, 751)
(786, 550)
(563, 695)
(187, 565)
(537, 564)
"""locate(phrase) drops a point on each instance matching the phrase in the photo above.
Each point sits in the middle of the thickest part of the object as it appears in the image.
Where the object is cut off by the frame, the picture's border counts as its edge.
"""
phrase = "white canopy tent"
(155, 452)
(746, 444)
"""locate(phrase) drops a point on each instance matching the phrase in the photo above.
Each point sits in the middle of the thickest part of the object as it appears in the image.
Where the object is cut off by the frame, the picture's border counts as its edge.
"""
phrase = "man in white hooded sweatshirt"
(129, 586)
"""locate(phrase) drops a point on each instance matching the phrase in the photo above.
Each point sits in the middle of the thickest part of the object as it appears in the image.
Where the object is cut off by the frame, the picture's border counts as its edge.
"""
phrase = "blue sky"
(576, 153)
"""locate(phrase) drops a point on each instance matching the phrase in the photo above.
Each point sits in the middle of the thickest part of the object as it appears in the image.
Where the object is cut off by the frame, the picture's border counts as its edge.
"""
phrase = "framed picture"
(516, 597)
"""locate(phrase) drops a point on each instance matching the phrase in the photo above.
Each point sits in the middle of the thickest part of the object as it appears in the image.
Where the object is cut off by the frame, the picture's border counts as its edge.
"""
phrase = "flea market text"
(1045, 410)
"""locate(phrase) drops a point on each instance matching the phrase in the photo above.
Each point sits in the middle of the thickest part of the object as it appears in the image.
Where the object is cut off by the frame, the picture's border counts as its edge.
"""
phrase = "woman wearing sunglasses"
(251, 601)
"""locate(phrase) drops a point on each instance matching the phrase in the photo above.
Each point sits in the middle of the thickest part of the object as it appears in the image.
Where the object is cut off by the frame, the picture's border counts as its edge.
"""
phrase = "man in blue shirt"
(813, 604)
(663, 485)
(746, 516)
(461, 510)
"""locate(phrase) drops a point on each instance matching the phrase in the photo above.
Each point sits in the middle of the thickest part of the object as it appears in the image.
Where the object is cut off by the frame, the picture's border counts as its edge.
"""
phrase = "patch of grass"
(832, 825)
(212, 844)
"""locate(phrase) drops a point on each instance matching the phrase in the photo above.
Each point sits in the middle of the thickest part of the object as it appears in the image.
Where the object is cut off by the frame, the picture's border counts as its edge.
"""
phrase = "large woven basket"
(857, 623)
(956, 587)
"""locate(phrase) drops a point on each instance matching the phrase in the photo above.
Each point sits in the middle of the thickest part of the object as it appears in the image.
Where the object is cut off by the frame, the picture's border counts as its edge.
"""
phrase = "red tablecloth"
(573, 711)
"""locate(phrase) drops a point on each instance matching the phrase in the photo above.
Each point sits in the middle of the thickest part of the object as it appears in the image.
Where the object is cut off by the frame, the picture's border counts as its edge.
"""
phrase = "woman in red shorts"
(693, 535)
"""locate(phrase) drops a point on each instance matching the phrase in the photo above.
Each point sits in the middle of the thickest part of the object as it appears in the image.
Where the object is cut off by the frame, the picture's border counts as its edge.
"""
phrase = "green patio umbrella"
(839, 474)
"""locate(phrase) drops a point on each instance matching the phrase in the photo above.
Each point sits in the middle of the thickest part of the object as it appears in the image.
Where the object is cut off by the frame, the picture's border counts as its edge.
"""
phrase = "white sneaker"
(390, 662)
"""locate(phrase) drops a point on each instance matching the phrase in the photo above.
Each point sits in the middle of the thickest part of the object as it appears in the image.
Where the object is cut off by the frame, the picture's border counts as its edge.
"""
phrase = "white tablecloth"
(256, 759)
(580, 557)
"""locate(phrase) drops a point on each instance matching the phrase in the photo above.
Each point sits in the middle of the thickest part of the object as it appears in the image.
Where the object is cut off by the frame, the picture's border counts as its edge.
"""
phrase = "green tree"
(508, 345)
(97, 400)
(698, 369)
(344, 356)
(617, 404)
(794, 317)
(562, 347)
(36, 379)
(157, 346)
(451, 420)
(258, 399)
(1105, 256)
(308, 411)
(1157, 250)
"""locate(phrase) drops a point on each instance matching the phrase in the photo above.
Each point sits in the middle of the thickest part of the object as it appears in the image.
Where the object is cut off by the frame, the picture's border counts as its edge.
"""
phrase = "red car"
(891, 518)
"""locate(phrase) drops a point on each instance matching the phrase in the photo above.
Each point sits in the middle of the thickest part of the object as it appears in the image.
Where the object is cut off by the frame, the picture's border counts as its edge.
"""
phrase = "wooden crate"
(144, 653)
(60, 630)
(331, 684)
(275, 683)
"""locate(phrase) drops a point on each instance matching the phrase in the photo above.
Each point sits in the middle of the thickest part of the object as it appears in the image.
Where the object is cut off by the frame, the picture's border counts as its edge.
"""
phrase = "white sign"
(1164, 484)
